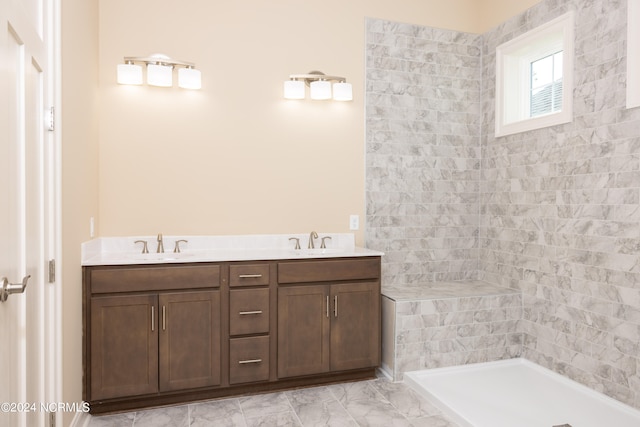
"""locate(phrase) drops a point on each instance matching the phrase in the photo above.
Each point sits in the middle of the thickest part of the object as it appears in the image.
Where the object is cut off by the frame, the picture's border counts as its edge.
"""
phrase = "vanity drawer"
(248, 311)
(248, 359)
(153, 278)
(249, 275)
(329, 270)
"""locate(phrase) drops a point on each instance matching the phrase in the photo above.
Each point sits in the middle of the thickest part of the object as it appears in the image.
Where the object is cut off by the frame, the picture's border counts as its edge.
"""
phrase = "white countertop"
(123, 250)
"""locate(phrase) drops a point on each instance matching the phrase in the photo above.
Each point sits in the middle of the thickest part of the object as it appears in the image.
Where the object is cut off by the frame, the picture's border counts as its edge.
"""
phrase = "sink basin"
(169, 256)
(317, 251)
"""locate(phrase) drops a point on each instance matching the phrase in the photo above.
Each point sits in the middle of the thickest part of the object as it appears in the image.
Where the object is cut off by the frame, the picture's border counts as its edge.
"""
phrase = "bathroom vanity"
(221, 322)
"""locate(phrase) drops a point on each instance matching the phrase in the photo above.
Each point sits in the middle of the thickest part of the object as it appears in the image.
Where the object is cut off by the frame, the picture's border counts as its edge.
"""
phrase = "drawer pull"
(249, 276)
(244, 313)
(244, 362)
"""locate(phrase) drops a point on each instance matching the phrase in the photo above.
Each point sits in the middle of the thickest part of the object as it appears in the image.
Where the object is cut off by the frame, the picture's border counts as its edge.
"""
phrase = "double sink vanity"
(225, 315)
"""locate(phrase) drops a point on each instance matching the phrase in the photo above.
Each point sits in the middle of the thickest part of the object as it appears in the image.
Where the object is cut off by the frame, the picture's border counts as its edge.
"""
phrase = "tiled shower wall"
(560, 208)
(423, 151)
(553, 212)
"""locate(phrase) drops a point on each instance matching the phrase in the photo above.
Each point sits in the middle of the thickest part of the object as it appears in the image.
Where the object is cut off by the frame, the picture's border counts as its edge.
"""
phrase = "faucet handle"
(160, 248)
(312, 236)
(297, 242)
(145, 248)
(176, 248)
(323, 245)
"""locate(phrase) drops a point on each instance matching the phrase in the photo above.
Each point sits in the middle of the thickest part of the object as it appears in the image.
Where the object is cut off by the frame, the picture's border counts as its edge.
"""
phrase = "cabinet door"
(189, 324)
(124, 346)
(303, 330)
(355, 326)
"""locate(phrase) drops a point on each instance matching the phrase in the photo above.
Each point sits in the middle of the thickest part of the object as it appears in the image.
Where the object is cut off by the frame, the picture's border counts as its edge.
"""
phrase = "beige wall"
(495, 12)
(79, 124)
(234, 157)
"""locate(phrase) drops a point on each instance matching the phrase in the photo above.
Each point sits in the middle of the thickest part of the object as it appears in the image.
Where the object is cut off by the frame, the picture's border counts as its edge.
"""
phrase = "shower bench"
(447, 324)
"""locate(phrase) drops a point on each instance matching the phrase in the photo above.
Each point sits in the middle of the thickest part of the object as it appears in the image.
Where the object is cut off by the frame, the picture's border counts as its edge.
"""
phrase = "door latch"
(12, 288)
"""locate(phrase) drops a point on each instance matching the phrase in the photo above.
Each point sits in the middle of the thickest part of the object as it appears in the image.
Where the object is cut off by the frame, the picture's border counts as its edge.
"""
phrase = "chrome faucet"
(297, 242)
(160, 244)
(312, 235)
(176, 248)
(145, 248)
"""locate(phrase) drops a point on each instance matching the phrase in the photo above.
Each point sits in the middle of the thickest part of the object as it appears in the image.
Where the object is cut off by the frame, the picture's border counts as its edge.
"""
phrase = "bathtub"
(519, 393)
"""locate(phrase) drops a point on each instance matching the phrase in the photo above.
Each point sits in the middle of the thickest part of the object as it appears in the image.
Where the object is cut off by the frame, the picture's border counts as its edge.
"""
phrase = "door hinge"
(52, 271)
(51, 119)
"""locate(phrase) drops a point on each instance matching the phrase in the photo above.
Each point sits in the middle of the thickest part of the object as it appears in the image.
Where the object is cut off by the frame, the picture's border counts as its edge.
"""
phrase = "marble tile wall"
(560, 208)
(431, 330)
(423, 151)
(554, 212)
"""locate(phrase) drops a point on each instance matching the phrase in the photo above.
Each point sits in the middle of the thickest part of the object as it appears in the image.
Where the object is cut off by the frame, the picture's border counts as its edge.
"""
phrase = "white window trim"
(513, 59)
(633, 53)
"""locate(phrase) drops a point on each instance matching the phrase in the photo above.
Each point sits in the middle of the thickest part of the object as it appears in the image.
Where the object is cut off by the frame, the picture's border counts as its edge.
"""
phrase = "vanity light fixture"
(159, 72)
(294, 89)
(320, 87)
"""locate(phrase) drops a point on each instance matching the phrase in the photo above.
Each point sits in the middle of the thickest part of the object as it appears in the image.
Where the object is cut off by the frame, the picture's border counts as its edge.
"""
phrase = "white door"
(27, 222)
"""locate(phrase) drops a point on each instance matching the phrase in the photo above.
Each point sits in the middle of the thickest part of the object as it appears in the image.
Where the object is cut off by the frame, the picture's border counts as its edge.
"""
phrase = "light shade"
(159, 71)
(320, 90)
(294, 89)
(189, 78)
(129, 74)
(342, 91)
(320, 86)
(160, 75)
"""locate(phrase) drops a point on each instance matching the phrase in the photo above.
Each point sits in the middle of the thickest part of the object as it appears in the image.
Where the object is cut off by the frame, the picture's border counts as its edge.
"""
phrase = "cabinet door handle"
(335, 306)
(153, 319)
(164, 318)
(249, 276)
(327, 307)
(244, 313)
(244, 362)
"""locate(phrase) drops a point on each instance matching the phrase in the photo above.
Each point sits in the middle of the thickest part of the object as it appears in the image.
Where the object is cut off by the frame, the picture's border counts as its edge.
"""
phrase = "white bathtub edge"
(413, 378)
(581, 388)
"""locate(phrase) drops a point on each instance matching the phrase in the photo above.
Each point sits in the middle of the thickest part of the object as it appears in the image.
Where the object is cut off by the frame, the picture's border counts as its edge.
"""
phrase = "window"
(545, 94)
(534, 78)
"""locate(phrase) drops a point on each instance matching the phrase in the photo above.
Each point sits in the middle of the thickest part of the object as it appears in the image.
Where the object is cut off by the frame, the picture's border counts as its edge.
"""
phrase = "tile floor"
(376, 402)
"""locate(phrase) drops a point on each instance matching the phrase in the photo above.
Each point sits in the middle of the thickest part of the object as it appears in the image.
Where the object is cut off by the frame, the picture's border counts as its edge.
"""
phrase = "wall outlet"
(354, 222)
(92, 228)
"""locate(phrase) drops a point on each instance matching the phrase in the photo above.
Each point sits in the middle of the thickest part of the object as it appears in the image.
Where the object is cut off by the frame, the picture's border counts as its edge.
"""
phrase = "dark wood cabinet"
(249, 359)
(355, 326)
(303, 330)
(173, 333)
(189, 329)
(323, 328)
(328, 327)
(124, 345)
(143, 344)
(249, 311)
(139, 342)
(250, 346)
